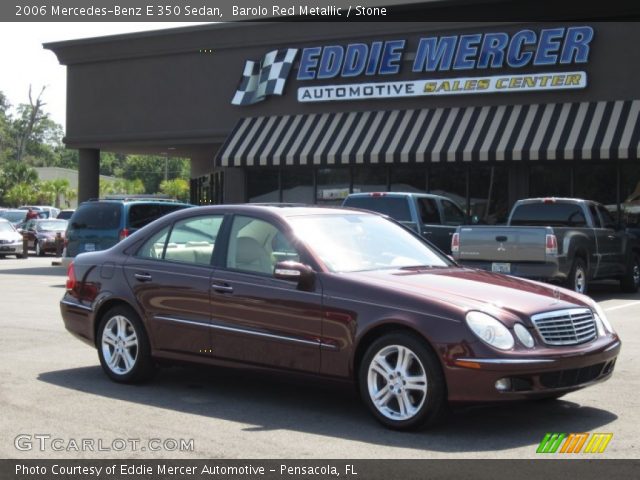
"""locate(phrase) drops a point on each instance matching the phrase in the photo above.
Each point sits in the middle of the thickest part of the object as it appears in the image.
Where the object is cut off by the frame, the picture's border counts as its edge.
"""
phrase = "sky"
(24, 62)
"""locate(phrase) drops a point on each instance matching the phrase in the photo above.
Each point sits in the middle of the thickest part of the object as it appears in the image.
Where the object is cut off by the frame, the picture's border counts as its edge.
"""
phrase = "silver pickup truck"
(563, 240)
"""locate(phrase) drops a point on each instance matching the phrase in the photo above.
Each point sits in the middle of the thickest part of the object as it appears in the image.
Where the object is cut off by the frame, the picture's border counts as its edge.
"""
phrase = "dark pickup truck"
(434, 217)
(564, 240)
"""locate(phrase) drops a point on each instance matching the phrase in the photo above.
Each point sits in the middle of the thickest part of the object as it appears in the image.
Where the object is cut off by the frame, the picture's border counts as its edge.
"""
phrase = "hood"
(470, 289)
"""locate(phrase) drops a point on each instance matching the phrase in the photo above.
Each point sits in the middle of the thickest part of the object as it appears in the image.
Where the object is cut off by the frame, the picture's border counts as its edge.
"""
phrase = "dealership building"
(485, 113)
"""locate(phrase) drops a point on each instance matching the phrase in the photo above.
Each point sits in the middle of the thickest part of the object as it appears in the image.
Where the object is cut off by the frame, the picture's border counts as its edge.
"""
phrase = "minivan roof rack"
(134, 197)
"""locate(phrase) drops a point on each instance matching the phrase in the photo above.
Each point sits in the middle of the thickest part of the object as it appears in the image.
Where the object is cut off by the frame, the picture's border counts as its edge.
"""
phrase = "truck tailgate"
(503, 244)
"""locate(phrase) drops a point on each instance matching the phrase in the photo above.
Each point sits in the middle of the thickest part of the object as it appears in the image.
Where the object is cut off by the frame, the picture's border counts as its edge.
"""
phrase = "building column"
(88, 174)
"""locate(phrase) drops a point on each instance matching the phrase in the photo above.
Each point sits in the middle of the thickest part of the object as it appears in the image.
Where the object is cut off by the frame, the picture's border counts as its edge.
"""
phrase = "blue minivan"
(100, 224)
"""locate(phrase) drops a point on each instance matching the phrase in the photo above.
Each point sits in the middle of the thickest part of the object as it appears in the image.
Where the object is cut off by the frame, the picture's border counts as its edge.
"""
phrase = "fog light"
(503, 385)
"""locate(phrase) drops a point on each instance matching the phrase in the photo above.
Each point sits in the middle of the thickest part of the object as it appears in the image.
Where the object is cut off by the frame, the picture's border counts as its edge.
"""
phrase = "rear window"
(396, 207)
(97, 216)
(549, 214)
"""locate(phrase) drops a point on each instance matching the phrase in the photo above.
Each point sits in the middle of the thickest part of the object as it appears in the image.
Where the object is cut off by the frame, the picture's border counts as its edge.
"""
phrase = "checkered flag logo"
(264, 78)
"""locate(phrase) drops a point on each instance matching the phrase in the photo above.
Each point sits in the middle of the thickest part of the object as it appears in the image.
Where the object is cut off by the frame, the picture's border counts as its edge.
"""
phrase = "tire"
(630, 282)
(39, 250)
(578, 280)
(427, 398)
(122, 363)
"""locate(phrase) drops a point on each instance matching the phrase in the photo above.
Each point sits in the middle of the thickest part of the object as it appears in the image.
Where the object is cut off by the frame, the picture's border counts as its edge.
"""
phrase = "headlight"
(523, 335)
(490, 330)
(601, 318)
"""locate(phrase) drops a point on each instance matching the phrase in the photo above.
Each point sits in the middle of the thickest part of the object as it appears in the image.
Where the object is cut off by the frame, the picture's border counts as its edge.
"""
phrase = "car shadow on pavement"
(271, 402)
(52, 271)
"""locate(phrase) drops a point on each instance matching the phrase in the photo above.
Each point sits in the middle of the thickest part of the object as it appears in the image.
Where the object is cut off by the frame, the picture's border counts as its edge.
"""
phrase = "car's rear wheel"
(578, 280)
(401, 382)
(123, 346)
(631, 280)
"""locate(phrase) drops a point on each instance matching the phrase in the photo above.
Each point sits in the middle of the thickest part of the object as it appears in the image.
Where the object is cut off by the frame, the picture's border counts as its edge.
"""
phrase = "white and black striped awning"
(561, 131)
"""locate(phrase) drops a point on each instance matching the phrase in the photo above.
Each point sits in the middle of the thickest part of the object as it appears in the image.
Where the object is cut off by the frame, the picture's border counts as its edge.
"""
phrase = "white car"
(10, 240)
(52, 212)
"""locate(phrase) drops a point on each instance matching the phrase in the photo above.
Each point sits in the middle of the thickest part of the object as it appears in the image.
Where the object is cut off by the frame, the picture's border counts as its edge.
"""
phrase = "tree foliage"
(177, 188)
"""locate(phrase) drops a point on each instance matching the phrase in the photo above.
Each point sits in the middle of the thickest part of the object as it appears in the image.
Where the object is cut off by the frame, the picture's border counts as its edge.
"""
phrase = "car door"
(257, 318)
(613, 239)
(451, 217)
(170, 276)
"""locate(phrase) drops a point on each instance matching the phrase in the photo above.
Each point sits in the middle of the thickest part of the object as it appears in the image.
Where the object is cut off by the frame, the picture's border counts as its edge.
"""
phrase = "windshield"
(361, 242)
(53, 225)
(13, 216)
(6, 227)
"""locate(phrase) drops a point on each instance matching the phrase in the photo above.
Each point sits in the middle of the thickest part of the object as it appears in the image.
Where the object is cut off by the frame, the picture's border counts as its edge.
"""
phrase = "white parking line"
(631, 304)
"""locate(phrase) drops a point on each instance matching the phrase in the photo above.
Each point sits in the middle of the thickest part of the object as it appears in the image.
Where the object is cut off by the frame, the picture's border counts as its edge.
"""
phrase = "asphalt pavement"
(55, 402)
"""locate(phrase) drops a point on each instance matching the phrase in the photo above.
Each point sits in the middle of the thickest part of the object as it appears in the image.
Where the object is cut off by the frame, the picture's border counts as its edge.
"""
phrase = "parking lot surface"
(52, 388)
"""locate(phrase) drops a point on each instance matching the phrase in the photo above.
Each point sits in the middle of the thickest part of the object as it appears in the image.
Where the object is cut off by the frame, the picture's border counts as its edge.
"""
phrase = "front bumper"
(11, 248)
(473, 379)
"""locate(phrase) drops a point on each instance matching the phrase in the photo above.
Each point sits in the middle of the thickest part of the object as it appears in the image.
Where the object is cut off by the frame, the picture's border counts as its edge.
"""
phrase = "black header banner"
(313, 10)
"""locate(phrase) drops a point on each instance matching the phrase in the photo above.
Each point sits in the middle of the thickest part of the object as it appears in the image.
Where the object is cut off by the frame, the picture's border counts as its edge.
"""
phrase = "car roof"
(287, 209)
(395, 194)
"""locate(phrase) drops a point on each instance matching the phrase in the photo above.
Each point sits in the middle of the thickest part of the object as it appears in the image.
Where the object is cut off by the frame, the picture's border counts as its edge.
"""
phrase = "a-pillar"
(88, 174)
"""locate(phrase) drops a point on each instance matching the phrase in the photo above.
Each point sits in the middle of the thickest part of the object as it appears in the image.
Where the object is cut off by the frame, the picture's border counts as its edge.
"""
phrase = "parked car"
(10, 239)
(565, 240)
(44, 211)
(41, 234)
(432, 216)
(345, 294)
(15, 216)
(65, 214)
(100, 224)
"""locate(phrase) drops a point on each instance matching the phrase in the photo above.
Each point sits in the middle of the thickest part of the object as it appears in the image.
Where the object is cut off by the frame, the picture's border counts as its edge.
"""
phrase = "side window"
(142, 214)
(595, 216)
(428, 211)
(452, 213)
(154, 247)
(255, 246)
(191, 240)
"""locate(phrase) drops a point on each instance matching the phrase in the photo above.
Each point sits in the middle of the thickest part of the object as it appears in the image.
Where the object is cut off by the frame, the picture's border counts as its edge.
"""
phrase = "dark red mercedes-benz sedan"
(339, 293)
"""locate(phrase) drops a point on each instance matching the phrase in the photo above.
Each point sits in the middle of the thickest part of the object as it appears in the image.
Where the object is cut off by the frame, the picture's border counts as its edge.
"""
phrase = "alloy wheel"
(397, 382)
(119, 345)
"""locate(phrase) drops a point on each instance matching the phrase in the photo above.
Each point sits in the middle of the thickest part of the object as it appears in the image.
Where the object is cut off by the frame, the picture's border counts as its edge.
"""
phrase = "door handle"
(611, 237)
(143, 277)
(222, 287)
(427, 233)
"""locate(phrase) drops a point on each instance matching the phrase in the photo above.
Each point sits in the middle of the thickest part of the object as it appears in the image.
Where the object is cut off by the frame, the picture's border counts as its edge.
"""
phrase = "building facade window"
(263, 185)
(333, 185)
(298, 185)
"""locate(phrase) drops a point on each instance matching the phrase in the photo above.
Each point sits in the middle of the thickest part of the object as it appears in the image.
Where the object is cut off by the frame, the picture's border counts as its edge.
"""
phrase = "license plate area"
(501, 267)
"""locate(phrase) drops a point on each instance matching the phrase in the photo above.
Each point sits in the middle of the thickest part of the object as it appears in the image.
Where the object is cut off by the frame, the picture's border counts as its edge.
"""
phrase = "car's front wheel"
(401, 382)
(123, 346)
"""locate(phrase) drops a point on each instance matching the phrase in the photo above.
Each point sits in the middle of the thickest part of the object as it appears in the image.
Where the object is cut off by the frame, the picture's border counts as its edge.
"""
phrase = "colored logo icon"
(574, 443)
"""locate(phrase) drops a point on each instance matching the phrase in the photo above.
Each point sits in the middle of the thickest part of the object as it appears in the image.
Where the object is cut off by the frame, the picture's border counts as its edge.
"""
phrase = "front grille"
(566, 327)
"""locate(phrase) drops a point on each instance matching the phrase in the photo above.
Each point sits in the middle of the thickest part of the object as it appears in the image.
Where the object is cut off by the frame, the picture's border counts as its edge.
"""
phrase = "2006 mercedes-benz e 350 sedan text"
(340, 293)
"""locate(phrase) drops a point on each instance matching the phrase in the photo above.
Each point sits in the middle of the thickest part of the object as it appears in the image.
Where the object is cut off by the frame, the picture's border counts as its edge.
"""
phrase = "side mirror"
(297, 272)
